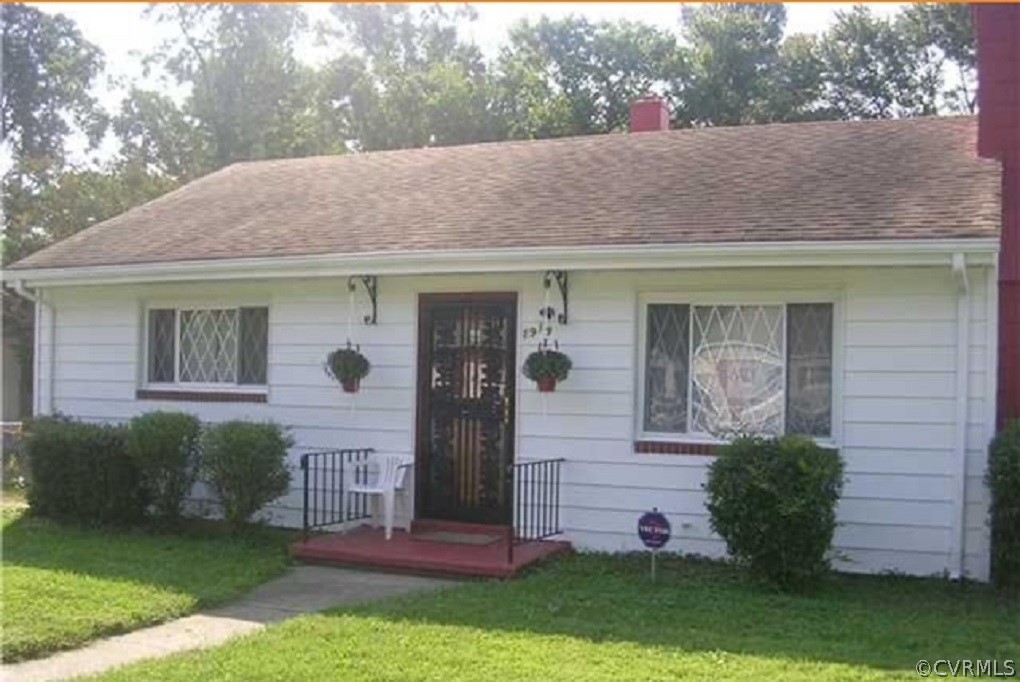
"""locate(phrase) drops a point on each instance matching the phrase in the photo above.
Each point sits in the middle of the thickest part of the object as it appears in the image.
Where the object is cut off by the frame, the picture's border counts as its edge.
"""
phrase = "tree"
(249, 95)
(406, 79)
(155, 133)
(947, 31)
(48, 68)
(873, 70)
(575, 77)
(734, 52)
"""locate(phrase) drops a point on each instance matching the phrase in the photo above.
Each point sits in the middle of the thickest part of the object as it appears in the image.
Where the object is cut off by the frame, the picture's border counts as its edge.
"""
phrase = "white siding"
(893, 418)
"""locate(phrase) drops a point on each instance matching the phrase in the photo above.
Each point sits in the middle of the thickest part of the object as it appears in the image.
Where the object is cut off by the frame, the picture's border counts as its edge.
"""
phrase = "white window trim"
(738, 298)
(204, 387)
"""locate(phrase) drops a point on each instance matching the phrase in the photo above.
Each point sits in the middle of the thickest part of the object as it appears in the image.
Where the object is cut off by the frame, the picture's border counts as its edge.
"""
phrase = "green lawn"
(600, 618)
(64, 586)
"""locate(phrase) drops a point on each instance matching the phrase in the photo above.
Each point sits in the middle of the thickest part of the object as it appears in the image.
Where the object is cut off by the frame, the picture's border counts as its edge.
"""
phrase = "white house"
(832, 279)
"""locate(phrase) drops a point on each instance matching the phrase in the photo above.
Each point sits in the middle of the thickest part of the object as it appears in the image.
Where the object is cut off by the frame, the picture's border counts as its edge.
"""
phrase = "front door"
(465, 438)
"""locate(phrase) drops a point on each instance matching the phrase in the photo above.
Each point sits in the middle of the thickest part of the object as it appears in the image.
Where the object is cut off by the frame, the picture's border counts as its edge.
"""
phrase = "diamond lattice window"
(723, 370)
(208, 349)
(737, 361)
(210, 346)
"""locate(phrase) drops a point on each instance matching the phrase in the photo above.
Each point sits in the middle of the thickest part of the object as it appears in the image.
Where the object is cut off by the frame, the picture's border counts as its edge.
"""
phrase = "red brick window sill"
(200, 396)
(657, 447)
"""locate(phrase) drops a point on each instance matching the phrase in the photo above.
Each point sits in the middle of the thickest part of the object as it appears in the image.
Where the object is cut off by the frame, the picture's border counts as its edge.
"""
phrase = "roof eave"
(900, 252)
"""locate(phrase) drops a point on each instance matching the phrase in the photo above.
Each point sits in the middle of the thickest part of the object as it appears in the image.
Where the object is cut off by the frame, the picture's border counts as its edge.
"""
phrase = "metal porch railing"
(536, 502)
(324, 476)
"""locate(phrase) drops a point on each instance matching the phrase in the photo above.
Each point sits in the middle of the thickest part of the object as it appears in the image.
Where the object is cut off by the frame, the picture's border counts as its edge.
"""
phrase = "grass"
(600, 618)
(64, 586)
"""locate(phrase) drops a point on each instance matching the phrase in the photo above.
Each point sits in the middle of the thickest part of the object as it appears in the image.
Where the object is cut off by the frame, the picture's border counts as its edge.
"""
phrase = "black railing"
(325, 474)
(536, 501)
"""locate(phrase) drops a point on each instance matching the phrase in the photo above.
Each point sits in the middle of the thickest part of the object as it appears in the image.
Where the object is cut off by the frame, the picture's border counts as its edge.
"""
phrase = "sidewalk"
(304, 589)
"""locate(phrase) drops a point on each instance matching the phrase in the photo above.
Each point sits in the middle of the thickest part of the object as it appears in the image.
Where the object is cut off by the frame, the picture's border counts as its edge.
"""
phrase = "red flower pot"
(547, 385)
(351, 385)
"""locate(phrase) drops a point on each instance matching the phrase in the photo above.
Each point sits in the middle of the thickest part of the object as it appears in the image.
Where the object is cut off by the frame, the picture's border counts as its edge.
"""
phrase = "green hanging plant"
(546, 367)
(348, 367)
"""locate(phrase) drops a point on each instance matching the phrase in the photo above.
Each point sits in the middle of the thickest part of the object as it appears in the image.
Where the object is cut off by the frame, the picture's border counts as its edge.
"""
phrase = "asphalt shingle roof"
(903, 179)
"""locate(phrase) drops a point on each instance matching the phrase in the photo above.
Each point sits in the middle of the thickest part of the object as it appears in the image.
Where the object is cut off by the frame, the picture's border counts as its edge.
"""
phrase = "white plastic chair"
(389, 472)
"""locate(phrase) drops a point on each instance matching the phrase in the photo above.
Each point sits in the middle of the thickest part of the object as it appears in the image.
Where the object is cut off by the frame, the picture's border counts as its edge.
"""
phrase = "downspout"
(957, 553)
(39, 303)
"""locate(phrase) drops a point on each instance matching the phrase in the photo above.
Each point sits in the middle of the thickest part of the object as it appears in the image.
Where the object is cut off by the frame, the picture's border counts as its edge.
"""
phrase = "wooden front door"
(465, 434)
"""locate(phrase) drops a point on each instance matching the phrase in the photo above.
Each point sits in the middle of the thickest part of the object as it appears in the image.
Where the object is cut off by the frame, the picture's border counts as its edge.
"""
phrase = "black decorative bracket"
(563, 282)
(371, 288)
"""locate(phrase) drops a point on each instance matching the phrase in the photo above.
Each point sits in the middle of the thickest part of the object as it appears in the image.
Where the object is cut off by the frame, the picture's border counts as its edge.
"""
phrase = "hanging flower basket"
(546, 368)
(347, 366)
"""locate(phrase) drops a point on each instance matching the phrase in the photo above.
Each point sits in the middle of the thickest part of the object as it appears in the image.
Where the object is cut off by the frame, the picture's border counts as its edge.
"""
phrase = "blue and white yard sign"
(653, 529)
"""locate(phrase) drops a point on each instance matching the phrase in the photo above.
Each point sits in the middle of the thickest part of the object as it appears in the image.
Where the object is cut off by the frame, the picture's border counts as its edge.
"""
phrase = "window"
(719, 370)
(208, 346)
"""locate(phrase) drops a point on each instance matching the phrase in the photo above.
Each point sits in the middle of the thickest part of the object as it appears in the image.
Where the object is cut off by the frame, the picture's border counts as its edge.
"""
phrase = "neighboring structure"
(841, 280)
(997, 29)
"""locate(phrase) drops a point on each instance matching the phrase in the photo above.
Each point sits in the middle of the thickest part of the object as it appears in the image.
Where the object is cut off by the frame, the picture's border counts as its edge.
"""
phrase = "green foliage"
(597, 617)
(404, 78)
(774, 503)
(165, 447)
(547, 363)
(733, 52)
(82, 473)
(873, 70)
(944, 35)
(48, 68)
(245, 463)
(65, 586)
(345, 365)
(572, 76)
(1003, 480)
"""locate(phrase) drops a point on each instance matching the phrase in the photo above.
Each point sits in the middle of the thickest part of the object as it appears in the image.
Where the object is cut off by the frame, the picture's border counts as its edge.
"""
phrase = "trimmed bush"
(165, 447)
(774, 503)
(245, 463)
(82, 472)
(1003, 480)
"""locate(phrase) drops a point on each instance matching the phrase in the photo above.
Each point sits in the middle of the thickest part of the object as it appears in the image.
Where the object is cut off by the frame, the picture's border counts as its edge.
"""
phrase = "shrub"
(82, 472)
(165, 447)
(774, 503)
(245, 463)
(1003, 480)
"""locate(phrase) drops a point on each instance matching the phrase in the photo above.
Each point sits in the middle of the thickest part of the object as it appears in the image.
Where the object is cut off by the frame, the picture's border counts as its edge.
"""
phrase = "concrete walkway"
(304, 589)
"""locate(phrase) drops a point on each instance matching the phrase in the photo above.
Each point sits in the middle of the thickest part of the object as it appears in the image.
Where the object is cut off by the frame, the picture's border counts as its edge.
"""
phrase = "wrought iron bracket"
(563, 282)
(371, 284)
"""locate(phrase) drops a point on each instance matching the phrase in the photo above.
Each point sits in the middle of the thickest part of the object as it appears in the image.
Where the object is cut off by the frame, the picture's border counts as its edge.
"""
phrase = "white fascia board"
(640, 257)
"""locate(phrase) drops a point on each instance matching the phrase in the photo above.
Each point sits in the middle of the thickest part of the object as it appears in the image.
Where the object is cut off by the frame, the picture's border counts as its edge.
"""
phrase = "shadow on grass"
(880, 622)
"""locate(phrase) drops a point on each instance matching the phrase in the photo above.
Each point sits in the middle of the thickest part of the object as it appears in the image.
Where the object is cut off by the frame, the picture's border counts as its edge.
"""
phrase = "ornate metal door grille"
(466, 411)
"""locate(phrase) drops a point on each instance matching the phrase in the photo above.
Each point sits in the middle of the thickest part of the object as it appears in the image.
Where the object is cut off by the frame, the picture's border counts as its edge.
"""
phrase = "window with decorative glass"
(215, 346)
(716, 371)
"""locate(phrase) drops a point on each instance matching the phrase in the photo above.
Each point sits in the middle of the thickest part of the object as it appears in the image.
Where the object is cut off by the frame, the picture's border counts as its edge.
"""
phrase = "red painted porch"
(368, 547)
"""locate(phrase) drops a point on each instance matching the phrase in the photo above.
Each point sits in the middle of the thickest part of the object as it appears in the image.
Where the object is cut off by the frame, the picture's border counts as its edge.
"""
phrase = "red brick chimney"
(997, 29)
(649, 114)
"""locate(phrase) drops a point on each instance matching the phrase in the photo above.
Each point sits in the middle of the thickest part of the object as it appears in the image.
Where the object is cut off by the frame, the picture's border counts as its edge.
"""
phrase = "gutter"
(861, 253)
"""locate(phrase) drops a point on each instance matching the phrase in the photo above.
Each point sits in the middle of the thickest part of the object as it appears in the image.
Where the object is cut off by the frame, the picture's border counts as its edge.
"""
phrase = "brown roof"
(905, 179)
